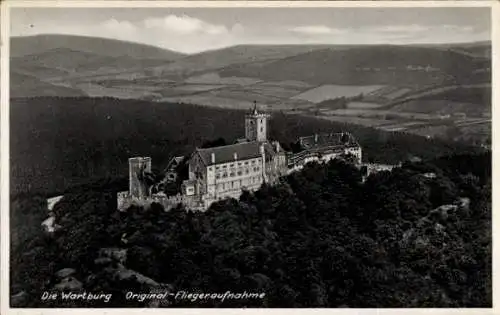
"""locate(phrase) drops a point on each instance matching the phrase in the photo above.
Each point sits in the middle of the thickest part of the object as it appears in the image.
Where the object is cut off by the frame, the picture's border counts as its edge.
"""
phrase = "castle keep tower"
(256, 125)
(137, 167)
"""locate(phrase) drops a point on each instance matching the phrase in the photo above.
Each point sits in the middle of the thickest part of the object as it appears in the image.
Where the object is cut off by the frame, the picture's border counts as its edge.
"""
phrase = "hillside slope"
(476, 49)
(27, 45)
(59, 142)
(391, 65)
(398, 239)
(240, 54)
(22, 85)
(60, 62)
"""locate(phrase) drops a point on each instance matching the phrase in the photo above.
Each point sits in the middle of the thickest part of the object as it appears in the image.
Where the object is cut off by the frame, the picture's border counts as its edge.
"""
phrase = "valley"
(414, 89)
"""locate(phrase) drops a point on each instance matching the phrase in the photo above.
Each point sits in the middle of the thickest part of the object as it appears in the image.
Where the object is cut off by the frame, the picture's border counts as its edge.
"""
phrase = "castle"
(226, 171)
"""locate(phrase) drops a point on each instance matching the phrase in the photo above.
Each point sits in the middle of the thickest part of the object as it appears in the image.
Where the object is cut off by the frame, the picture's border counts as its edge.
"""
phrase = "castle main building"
(224, 172)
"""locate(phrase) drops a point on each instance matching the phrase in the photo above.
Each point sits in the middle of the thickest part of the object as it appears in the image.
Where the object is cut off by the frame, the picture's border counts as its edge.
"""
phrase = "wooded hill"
(321, 238)
(57, 143)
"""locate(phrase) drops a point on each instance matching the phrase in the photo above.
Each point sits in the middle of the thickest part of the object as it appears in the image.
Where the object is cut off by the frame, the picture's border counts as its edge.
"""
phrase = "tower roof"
(255, 112)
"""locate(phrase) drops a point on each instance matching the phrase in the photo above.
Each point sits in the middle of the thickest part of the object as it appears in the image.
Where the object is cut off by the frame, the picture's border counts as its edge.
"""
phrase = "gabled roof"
(174, 162)
(243, 151)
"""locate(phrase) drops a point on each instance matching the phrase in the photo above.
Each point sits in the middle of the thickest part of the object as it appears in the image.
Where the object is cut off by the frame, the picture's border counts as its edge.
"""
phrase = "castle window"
(231, 165)
(261, 129)
(247, 171)
(239, 173)
(224, 166)
(232, 174)
(224, 175)
(246, 162)
(210, 168)
(217, 167)
(217, 176)
(239, 163)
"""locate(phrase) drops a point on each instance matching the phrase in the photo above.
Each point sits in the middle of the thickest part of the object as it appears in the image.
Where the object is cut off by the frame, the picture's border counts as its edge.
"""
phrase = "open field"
(368, 122)
(214, 78)
(331, 91)
(197, 87)
(290, 83)
(137, 87)
(95, 90)
(282, 92)
(379, 113)
(444, 107)
(473, 93)
(390, 92)
(232, 101)
(363, 105)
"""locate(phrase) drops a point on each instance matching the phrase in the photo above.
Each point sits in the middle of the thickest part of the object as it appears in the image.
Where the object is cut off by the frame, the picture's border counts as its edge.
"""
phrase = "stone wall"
(125, 200)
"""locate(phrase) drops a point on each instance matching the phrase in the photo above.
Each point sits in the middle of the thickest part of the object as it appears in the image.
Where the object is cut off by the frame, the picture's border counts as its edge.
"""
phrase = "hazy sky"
(192, 30)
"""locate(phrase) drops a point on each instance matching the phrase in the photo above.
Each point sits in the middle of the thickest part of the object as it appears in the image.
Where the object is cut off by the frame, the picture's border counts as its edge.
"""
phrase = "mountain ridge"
(350, 66)
(24, 45)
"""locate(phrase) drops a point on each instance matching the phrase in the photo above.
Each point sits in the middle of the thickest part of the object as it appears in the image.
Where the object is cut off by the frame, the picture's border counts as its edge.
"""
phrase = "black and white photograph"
(239, 155)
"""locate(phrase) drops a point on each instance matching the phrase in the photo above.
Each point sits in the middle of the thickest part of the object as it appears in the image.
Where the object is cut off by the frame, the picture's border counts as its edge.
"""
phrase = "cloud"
(459, 28)
(416, 28)
(184, 25)
(192, 34)
(316, 30)
(411, 28)
(122, 26)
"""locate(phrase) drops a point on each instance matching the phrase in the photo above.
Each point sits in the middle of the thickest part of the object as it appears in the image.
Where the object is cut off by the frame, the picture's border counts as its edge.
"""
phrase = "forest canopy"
(57, 143)
(323, 237)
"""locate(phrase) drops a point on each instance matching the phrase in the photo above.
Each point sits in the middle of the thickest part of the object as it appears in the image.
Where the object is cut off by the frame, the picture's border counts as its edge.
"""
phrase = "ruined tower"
(256, 125)
(137, 167)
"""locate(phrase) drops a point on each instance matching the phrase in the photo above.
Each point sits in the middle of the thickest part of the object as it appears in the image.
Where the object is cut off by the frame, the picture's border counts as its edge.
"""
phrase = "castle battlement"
(125, 200)
(224, 172)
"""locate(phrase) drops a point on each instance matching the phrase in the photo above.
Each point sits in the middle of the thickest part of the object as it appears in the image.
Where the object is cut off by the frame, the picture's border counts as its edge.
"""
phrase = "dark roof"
(327, 140)
(174, 162)
(224, 154)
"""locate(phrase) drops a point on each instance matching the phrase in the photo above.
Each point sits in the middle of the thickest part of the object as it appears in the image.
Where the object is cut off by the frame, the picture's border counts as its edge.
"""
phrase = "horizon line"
(257, 44)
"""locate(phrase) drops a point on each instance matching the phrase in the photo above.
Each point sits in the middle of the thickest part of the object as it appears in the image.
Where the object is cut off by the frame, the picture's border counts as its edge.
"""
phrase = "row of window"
(238, 184)
(232, 165)
(238, 173)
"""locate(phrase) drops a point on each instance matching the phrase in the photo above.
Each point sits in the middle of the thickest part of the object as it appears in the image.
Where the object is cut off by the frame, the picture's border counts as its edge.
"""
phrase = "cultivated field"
(214, 78)
(389, 92)
(293, 84)
(368, 122)
(331, 91)
(439, 107)
(95, 90)
(363, 105)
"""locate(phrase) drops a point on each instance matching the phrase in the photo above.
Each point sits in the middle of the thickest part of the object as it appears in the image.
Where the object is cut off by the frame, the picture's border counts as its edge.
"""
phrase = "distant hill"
(85, 62)
(32, 45)
(41, 59)
(475, 49)
(241, 54)
(22, 85)
(391, 65)
(64, 61)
